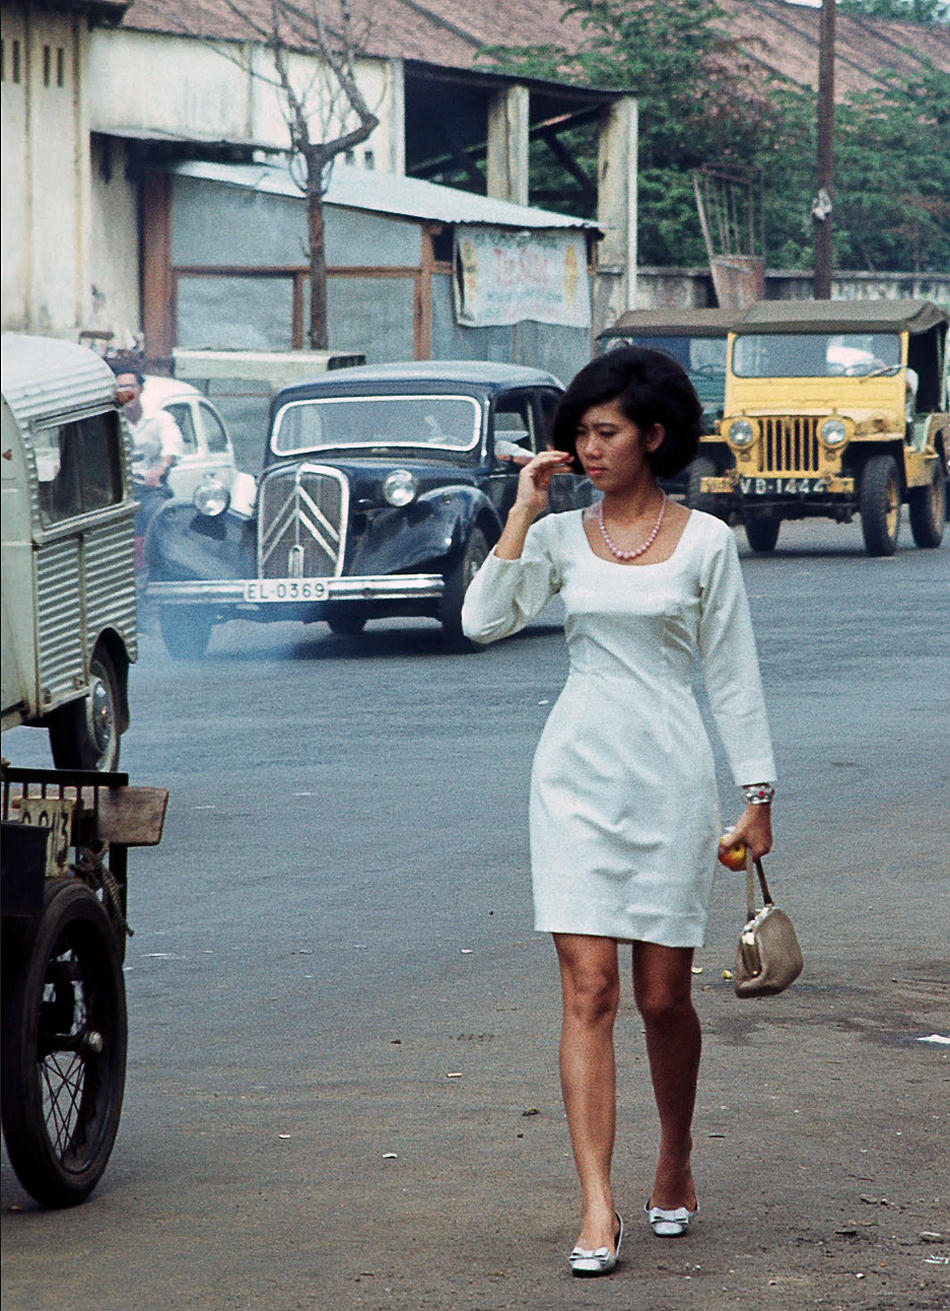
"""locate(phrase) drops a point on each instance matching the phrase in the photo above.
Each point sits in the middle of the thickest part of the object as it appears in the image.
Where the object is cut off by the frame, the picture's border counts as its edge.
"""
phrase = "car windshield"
(815, 355)
(441, 422)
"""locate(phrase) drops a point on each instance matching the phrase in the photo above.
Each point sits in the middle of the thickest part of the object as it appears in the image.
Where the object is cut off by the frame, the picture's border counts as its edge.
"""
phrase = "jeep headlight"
(833, 432)
(211, 497)
(400, 488)
(741, 432)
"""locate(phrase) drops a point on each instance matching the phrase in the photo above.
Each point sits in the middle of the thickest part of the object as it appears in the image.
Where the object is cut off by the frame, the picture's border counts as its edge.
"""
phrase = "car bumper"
(253, 592)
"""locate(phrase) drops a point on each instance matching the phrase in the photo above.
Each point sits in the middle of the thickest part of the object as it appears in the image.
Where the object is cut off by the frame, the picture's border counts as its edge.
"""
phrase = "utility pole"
(821, 209)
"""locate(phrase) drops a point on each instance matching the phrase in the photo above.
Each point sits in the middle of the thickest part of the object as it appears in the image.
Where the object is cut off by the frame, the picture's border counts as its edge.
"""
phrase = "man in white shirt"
(156, 437)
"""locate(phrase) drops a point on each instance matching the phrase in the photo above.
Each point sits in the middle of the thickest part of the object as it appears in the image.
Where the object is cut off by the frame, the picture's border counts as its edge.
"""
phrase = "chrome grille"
(789, 445)
(302, 523)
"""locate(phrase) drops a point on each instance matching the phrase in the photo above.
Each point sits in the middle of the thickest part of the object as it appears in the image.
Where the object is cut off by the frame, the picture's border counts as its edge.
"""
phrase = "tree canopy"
(704, 101)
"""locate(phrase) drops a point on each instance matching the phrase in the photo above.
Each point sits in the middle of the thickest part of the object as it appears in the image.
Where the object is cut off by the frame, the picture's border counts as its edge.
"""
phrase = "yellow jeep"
(832, 408)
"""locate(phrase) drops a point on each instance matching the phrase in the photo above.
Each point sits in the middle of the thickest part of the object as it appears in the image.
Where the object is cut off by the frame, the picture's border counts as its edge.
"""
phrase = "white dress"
(624, 814)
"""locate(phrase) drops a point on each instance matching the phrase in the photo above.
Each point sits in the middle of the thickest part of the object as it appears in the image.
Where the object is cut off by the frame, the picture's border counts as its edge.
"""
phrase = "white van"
(69, 622)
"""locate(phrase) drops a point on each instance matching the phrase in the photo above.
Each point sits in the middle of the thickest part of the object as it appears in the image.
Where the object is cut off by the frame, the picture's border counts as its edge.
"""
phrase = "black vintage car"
(383, 489)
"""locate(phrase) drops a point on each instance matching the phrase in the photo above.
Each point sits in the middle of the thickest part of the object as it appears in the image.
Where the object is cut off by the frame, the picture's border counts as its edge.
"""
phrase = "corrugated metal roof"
(46, 376)
(386, 193)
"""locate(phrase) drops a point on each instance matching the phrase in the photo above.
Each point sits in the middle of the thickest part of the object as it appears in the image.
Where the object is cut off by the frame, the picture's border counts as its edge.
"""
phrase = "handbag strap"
(751, 861)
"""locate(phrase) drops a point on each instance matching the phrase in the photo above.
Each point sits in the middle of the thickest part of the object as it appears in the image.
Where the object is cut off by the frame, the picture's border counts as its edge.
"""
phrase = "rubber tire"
(928, 509)
(879, 504)
(85, 734)
(456, 584)
(186, 631)
(346, 621)
(762, 532)
(74, 963)
(701, 467)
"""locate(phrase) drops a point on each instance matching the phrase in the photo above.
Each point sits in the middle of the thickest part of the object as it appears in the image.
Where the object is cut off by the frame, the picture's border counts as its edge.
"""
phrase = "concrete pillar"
(396, 105)
(617, 207)
(507, 162)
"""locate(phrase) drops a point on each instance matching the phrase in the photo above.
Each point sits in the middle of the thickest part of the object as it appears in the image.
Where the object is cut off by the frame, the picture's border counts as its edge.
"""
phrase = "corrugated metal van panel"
(44, 376)
(109, 561)
(61, 657)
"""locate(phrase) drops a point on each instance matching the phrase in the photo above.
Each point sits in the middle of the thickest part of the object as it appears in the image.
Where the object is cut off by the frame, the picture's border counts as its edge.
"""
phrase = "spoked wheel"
(85, 734)
(456, 585)
(928, 508)
(880, 505)
(64, 1050)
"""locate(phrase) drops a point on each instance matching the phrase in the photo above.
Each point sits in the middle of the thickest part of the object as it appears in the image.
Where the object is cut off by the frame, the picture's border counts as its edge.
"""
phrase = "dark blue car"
(383, 489)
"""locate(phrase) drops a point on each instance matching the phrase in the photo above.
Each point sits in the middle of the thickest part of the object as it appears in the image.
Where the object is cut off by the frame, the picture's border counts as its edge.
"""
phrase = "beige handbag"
(768, 957)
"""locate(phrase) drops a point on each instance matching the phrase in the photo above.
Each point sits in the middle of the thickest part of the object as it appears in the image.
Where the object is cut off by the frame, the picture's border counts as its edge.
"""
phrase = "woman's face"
(613, 449)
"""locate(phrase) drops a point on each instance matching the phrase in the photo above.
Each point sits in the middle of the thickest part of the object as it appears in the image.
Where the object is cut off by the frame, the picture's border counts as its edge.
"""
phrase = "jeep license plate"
(781, 486)
(286, 589)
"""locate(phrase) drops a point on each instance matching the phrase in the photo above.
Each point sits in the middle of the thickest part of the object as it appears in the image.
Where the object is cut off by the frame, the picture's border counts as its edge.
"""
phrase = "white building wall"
(114, 294)
(225, 91)
(44, 181)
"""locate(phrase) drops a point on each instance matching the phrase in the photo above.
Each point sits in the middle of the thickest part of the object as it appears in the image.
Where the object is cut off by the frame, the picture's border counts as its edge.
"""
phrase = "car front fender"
(183, 544)
(431, 531)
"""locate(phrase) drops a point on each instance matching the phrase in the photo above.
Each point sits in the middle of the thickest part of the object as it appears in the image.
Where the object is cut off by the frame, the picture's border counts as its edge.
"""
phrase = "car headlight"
(400, 488)
(833, 432)
(211, 497)
(741, 432)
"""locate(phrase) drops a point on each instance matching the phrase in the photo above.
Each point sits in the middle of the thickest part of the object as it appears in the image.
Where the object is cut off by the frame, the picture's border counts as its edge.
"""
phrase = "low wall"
(680, 288)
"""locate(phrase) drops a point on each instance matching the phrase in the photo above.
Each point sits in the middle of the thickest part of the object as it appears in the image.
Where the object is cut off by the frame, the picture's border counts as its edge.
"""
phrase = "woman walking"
(624, 816)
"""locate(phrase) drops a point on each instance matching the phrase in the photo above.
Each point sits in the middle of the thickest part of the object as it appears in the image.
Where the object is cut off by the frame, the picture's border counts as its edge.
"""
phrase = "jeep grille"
(789, 445)
(302, 523)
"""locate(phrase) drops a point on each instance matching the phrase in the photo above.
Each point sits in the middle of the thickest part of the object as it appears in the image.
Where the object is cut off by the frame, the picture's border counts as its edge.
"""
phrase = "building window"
(60, 66)
(14, 61)
(46, 65)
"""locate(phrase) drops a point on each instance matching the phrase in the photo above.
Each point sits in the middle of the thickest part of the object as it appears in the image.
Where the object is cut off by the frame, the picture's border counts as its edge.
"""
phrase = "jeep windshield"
(371, 423)
(815, 355)
(703, 358)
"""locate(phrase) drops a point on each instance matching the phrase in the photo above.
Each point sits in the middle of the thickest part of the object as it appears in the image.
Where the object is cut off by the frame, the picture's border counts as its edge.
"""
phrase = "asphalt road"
(342, 1086)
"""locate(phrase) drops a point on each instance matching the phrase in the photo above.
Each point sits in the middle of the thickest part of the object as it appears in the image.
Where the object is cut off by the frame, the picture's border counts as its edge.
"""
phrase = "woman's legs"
(590, 984)
(662, 978)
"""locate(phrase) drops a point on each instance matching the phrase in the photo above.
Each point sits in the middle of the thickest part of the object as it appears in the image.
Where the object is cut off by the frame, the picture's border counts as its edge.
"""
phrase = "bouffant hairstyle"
(650, 388)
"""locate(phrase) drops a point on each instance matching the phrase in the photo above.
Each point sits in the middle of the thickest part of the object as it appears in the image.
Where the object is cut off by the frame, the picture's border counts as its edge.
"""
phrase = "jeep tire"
(879, 504)
(928, 508)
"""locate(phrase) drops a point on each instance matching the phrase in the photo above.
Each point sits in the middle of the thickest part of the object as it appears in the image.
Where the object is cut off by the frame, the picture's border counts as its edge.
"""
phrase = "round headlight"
(741, 432)
(833, 432)
(211, 497)
(399, 489)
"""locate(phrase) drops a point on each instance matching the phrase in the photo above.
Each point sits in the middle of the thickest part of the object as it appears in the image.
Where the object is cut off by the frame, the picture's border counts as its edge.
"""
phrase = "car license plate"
(287, 589)
(781, 486)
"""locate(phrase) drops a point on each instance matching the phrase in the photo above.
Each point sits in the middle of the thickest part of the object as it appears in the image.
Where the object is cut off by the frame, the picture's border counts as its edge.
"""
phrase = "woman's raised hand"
(535, 477)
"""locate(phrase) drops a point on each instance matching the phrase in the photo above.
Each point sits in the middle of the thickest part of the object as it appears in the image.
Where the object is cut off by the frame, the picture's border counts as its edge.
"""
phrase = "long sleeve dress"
(624, 813)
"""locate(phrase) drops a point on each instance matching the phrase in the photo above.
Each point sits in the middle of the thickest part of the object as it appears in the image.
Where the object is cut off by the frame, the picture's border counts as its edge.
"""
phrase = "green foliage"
(913, 11)
(702, 101)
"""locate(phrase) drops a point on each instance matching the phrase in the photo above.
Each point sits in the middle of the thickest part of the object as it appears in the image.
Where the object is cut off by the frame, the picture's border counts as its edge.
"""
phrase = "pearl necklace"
(630, 555)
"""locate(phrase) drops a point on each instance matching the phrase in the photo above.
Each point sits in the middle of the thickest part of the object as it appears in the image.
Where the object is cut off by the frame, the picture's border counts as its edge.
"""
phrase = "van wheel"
(186, 631)
(879, 505)
(702, 467)
(762, 532)
(85, 734)
(928, 508)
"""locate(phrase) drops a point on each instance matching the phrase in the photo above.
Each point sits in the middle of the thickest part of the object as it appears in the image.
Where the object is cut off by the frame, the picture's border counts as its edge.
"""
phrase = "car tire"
(928, 508)
(64, 1044)
(186, 631)
(85, 734)
(457, 580)
(702, 467)
(879, 504)
(346, 621)
(762, 532)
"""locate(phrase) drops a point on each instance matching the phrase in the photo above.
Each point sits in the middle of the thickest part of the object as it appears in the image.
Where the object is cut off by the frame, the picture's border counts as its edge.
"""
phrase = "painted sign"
(504, 277)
